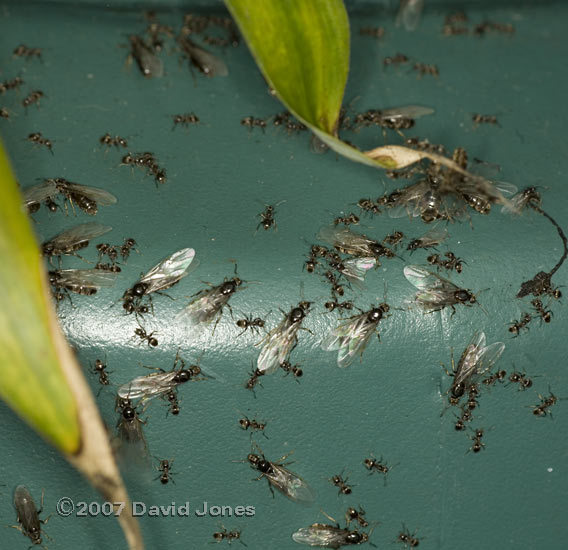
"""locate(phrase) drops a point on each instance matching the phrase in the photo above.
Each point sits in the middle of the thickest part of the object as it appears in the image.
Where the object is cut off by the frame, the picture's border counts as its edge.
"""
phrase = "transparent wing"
(423, 279)
(153, 66)
(208, 63)
(40, 192)
(318, 534)
(343, 237)
(133, 445)
(409, 14)
(515, 205)
(79, 234)
(469, 359)
(355, 269)
(331, 234)
(489, 356)
(100, 196)
(204, 307)
(170, 270)
(150, 64)
(350, 339)
(91, 278)
(148, 387)
(407, 203)
(279, 344)
(290, 484)
(433, 237)
(505, 187)
(407, 111)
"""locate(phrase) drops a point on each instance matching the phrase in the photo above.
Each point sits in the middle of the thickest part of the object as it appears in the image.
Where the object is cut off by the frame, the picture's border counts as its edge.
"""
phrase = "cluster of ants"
(544, 314)
(38, 139)
(523, 383)
(145, 49)
(15, 83)
(283, 119)
(422, 69)
(456, 24)
(295, 370)
(146, 161)
(113, 252)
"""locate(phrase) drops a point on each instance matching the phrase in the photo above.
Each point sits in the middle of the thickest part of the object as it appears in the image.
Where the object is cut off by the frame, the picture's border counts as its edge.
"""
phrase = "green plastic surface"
(513, 494)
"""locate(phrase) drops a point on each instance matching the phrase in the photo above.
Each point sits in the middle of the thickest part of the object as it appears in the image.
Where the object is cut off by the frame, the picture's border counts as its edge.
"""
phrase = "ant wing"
(409, 14)
(489, 356)
(26, 508)
(350, 339)
(39, 193)
(407, 111)
(279, 344)
(319, 534)
(98, 195)
(290, 484)
(79, 234)
(346, 239)
(149, 63)
(205, 61)
(133, 445)
(170, 271)
(148, 387)
(469, 359)
(433, 237)
(89, 278)
(426, 280)
(204, 307)
(355, 269)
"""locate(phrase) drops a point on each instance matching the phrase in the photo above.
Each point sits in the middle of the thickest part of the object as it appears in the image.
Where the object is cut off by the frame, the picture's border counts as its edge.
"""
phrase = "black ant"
(336, 288)
(545, 403)
(465, 417)
(341, 484)
(249, 322)
(375, 465)
(498, 376)
(407, 539)
(255, 374)
(516, 326)
(126, 247)
(267, 217)
(367, 205)
(143, 335)
(38, 139)
(185, 119)
(174, 404)
(521, 379)
(251, 122)
(545, 314)
(356, 515)
(165, 468)
(294, 369)
(394, 238)
(109, 141)
(333, 305)
(477, 443)
(351, 219)
(99, 368)
(245, 423)
(230, 536)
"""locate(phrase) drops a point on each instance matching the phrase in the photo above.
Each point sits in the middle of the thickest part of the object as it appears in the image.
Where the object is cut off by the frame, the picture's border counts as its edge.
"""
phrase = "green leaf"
(302, 49)
(31, 380)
